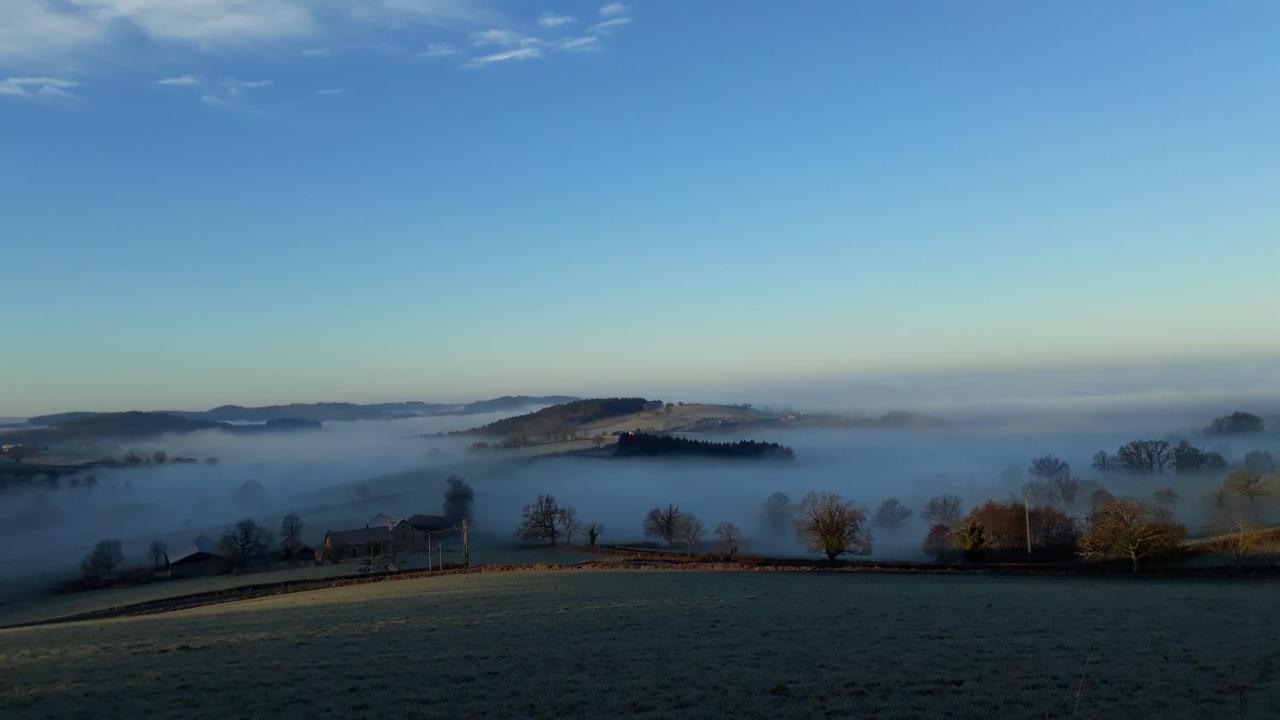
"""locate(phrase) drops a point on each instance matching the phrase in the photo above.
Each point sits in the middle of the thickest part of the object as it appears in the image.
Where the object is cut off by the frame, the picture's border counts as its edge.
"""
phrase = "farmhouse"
(384, 534)
(199, 558)
(361, 542)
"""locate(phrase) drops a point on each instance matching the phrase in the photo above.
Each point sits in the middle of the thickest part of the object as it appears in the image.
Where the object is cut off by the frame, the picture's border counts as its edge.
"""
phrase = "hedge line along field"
(655, 644)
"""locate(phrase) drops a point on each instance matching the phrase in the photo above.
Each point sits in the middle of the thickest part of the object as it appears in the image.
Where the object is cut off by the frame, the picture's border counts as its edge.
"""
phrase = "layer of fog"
(866, 466)
(51, 529)
(1036, 399)
(317, 474)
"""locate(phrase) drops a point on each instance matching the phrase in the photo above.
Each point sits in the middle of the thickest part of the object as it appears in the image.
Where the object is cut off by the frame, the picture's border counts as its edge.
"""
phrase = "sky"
(260, 201)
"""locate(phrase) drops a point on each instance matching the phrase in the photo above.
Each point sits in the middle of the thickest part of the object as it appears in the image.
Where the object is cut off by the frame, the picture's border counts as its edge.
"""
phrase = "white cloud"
(180, 80)
(215, 101)
(608, 25)
(44, 86)
(36, 29)
(330, 91)
(44, 29)
(235, 86)
(586, 42)
(438, 49)
(504, 38)
(551, 20)
(314, 52)
(507, 56)
(613, 8)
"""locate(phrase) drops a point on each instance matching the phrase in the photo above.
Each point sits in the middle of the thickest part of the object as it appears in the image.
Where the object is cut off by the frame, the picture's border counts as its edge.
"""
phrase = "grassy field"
(34, 600)
(673, 644)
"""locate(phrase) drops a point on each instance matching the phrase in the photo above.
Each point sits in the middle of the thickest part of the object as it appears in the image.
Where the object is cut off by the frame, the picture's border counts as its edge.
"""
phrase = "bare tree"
(567, 522)
(1132, 530)
(1049, 468)
(689, 530)
(828, 524)
(776, 514)
(1144, 457)
(243, 540)
(730, 538)
(1237, 510)
(594, 531)
(107, 555)
(1104, 463)
(290, 534)
(157, 551)
(663, 523)
(891, 514)
(538, 521)
(943, 509)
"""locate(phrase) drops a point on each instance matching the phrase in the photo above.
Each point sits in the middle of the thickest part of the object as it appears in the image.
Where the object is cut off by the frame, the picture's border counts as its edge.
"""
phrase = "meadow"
(661, 644)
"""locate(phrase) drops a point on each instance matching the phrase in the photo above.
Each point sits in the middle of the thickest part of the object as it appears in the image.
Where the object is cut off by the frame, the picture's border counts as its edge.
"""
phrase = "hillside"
(564, 420)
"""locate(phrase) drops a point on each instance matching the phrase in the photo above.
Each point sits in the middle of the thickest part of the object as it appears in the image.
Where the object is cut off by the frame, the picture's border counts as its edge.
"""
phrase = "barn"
(361, 542)
(199, 558)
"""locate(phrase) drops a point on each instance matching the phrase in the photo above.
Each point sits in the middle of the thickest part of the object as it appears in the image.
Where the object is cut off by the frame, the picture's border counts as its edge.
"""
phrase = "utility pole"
(1026, 514)
(428, 552)
(466, 548)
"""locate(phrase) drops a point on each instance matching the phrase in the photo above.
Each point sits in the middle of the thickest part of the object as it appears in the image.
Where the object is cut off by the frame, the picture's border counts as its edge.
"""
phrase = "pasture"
(663, 644)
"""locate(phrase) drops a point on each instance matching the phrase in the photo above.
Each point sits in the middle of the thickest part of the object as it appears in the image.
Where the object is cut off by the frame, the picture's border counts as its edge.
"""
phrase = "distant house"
(385, 534)
(297, 550)
(361, 542)
(199, 558)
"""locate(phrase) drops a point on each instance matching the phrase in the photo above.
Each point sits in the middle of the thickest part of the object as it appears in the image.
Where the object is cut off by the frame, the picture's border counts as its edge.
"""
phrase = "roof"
(191, 551)
(384, 520)
(430, 522)
(359, 536)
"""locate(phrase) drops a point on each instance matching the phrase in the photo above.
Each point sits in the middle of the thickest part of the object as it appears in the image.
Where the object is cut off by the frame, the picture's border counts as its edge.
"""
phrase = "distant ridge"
(327, 411)
(134, 425)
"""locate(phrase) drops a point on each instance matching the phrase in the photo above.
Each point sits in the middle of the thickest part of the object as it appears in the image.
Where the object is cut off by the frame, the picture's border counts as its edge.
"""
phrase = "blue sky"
(207, 201)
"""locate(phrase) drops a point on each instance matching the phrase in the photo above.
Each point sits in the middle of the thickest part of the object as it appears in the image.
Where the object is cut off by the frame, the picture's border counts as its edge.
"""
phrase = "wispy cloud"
(438, 49)
(586, 42)
(505, 38)
(179, 80)
(37, 87)
(216, 101)
(551, 20)
(613, 8)
(45, 29)
(607, 26)
(315, 52)
(528, 53)
(235, 86)
(330, 91)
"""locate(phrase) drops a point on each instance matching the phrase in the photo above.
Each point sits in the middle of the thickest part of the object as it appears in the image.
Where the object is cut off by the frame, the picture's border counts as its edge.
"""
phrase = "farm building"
(199, 558)
(297, 550)
(385, 533)
(361, 542)
(426, 524)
